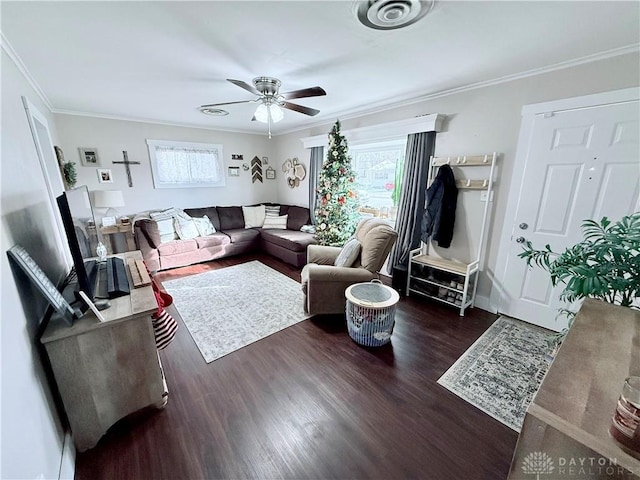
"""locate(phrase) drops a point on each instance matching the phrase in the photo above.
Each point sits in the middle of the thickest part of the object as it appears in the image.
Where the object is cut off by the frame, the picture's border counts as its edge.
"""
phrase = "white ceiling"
(160, 60)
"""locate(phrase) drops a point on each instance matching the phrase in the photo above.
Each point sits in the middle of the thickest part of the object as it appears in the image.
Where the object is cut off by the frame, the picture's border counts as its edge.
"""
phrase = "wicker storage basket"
(370, 310)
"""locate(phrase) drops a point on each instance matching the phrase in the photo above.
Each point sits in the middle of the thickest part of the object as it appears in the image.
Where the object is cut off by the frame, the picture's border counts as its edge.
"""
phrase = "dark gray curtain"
(420, 147)
(315, 165)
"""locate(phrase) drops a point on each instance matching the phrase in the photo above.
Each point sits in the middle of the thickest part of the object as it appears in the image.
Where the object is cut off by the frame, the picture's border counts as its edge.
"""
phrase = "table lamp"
(109, 199)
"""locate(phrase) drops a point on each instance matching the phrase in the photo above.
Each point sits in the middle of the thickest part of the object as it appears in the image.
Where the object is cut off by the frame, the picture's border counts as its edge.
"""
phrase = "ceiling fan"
(270, 100)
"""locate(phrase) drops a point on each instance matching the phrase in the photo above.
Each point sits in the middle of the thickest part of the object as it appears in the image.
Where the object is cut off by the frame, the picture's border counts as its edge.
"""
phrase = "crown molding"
(386, 106)
(15, 58)
(147, 120)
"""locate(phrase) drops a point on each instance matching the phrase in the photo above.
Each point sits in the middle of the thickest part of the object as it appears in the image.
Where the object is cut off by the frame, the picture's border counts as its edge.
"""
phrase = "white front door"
(580, 164)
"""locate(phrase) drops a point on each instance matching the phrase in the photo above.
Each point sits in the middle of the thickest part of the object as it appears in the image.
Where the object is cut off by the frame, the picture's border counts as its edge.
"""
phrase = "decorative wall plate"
(294, 172)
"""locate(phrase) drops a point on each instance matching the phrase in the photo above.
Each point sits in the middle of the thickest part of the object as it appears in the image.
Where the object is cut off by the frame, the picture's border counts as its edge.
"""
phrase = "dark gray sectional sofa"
(231, 238)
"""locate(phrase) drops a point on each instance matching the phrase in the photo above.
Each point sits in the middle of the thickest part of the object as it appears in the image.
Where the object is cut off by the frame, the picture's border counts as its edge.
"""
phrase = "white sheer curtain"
(181, 165)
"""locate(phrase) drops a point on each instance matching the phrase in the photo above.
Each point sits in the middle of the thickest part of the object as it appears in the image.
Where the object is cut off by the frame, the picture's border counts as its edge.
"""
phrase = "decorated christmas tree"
(337, 207)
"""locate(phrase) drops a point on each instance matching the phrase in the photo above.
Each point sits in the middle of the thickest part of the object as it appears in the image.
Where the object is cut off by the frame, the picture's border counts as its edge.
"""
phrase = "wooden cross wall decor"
(126, 164)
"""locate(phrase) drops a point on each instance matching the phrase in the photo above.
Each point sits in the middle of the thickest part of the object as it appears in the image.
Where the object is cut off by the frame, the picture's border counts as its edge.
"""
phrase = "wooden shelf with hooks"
(429, 275)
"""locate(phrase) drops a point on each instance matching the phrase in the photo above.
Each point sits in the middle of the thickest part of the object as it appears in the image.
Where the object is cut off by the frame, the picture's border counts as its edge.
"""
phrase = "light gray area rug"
(230, 308)
(501, 372)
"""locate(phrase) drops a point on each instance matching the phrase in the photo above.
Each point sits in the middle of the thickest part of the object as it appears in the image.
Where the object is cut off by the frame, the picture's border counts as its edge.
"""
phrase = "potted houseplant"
(604, 265)
(70, 174)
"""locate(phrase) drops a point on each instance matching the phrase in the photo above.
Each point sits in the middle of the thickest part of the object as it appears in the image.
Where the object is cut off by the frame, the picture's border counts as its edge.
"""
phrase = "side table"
(112, 230)
(370, 310)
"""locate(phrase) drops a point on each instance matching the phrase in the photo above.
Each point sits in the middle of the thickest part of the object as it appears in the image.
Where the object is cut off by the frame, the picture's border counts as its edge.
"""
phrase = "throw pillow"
(253, 216)
(166, 230)
(169, 213)
(185, 229)
(276, 222)
(272, 210)
(204, 226)
(348, 254)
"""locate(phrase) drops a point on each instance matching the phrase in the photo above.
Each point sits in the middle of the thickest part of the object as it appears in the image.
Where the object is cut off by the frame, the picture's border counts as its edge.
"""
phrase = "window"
(378, 169)
(185, 164)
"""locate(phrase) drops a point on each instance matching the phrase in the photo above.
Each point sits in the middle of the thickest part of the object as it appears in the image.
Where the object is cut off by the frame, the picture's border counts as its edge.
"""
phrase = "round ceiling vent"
(216, 112)
(391, 14)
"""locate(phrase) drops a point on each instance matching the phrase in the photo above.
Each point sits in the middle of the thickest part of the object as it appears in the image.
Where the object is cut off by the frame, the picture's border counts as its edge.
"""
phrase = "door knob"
(520, 240)
(524, 226)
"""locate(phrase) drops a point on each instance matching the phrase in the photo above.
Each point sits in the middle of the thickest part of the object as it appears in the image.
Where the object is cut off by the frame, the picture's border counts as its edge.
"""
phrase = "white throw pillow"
(204, 226)
(348, 254)
(166, 230)
(185, 229)
(272, 210)
(276, 222)
(253, 216)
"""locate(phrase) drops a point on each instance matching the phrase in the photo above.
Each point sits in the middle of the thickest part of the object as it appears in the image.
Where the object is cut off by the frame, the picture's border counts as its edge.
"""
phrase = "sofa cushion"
(239, 235)
(298, 216)
(213, 240)
(210, 212)
(149, 229)
(230, 218)
(289, 239)
(177, 246)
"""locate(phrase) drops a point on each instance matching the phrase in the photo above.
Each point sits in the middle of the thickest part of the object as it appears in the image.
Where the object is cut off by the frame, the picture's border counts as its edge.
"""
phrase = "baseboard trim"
(68, 460)
(484, 303)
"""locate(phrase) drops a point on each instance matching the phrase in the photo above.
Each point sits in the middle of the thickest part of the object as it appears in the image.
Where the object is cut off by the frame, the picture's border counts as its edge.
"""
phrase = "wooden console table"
(569, 418)
(106, 370)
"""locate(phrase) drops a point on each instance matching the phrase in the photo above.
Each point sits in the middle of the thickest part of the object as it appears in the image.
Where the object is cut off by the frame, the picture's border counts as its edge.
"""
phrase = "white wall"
(111, 137)
(32, 435)
(480, 121)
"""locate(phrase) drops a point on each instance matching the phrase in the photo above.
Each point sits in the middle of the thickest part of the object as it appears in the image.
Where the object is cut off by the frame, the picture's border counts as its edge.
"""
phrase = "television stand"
(106, 370)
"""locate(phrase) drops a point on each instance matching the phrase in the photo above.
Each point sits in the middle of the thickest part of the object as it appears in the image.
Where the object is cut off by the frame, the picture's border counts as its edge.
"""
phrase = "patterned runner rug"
(227, 309)
(501, 372)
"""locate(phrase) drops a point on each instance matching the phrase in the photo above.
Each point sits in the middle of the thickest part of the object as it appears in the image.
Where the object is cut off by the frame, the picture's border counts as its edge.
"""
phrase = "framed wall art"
(89, 157)
(104, 175)
(270, 173)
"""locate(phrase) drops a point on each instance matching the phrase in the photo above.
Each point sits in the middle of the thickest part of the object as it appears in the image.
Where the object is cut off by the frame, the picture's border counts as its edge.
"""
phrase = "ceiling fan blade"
(245, 85)
(300, 108)
(227, 103)
(304, 93)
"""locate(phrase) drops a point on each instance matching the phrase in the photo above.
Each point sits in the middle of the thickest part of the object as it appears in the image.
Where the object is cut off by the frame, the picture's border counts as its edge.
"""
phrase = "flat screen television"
(82, 235)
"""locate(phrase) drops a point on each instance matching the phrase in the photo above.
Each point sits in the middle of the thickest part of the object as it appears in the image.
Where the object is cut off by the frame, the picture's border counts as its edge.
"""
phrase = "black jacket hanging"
(440, 212)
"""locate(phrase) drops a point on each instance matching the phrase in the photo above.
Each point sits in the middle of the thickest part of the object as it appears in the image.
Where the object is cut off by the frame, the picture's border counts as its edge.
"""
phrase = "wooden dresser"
(106, 370)
(567, 424)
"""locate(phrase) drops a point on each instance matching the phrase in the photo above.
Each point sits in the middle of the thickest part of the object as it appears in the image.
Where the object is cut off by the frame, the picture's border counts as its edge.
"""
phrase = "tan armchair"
(323, 284)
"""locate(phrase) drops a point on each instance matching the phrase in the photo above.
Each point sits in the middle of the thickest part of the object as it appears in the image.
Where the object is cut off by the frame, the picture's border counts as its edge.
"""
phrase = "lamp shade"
(108, 198)
(263, 110)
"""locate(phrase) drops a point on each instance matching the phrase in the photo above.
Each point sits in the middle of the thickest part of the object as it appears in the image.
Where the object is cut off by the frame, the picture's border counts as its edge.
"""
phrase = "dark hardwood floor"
(308, 402)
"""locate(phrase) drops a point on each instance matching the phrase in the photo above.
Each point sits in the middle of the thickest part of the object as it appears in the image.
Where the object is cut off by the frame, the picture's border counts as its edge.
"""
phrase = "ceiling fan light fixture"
(263, 110)
(391, 14)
